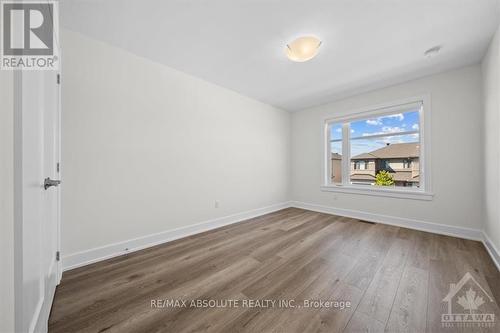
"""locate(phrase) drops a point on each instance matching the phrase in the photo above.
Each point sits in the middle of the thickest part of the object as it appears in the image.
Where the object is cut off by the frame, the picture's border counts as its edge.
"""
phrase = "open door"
(38, 268)
(37, 197)
(37, 204)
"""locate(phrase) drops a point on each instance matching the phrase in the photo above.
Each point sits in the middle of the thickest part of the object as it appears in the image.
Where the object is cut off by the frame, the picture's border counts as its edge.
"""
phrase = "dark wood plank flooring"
(395, 279)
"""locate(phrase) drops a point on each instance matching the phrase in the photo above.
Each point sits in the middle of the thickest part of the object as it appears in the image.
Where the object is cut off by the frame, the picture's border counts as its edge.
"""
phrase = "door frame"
(59, 266)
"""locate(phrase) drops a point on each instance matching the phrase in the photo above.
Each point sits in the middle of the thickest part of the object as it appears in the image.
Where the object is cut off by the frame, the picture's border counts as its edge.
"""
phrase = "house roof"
(405, 176)
(336, 156)
(396, 150)
(365, 176)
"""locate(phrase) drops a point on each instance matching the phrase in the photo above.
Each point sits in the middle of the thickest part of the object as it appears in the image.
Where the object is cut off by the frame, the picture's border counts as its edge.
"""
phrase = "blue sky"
(392, 124)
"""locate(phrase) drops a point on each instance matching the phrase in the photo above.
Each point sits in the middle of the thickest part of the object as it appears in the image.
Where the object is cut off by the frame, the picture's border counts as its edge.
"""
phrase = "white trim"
(379, 110)
(492, 250)
(87, 257)
(19, 321)
(326, 166)
(346, 154)
(50, 283)
(381, 192)
(425, 143)
(375, 136)
(36, 315)
(59, 270)
(442, 229)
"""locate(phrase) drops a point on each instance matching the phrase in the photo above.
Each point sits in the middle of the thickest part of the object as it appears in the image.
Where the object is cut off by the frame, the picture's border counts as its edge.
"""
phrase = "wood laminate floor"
(394, 278)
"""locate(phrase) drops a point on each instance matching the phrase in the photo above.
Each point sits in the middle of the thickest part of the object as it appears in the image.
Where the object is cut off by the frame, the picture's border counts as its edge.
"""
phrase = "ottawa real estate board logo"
(468, 305)
(29, 35)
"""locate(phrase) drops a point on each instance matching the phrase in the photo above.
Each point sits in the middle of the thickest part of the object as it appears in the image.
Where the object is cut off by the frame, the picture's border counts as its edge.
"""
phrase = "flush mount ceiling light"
(303, 48)
(432, 51)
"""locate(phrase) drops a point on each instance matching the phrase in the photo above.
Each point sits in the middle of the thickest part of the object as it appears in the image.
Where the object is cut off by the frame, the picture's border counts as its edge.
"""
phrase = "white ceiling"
(239, 44)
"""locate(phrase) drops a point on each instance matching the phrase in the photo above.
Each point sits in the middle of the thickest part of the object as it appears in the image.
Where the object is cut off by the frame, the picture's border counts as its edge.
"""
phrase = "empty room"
(250, 166)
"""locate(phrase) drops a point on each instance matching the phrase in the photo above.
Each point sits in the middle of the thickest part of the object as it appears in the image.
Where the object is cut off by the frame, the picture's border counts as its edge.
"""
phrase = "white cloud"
(398, 116)
(386, 130)
(374, 122)
(379, 121)
(415, 127)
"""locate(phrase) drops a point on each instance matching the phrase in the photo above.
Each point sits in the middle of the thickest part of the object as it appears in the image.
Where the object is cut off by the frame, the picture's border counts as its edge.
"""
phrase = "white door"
(38, 243)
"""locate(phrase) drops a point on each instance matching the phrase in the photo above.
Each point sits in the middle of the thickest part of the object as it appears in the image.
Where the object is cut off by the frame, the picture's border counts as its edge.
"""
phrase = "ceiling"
(239, 44)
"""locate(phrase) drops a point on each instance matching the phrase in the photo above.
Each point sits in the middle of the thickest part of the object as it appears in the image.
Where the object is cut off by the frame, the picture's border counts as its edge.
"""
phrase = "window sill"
(380, 192)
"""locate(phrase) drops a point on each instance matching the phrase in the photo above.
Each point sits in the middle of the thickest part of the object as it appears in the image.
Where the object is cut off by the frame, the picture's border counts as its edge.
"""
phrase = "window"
(360, 165)
(385, 165)
(379, 150)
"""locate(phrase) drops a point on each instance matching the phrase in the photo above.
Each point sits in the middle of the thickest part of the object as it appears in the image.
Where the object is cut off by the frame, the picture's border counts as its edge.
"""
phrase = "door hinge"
(58, 78)
(57, 166)
(58, 256)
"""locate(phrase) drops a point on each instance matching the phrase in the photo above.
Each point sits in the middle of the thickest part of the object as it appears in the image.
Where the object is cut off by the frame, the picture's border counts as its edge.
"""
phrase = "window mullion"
(346, 133)
(421, 158)
(328, 154)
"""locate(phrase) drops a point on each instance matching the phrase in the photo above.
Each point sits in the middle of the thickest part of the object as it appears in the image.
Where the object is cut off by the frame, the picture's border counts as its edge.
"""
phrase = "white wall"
(491, 95)
(456, 158)
(147, 148)
(6, 202)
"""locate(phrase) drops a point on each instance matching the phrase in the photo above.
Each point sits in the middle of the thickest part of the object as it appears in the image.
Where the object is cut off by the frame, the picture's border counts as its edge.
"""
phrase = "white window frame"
(424, 192)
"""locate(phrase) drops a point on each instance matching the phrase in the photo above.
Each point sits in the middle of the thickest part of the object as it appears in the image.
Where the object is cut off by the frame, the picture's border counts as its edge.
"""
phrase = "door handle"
(50, 182)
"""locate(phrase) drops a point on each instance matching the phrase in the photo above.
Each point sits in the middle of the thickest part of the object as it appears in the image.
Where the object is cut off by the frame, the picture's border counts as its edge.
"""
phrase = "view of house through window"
(383, 150)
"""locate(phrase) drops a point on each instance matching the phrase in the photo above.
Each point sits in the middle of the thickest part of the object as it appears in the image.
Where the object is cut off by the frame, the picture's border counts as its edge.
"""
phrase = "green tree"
(384, 178)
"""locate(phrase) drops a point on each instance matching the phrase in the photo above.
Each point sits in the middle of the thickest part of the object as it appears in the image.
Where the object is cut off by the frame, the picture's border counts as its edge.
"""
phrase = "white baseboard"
(442, 229)
(492, 250)
(87, 257)
(109, 251)
(436, 228)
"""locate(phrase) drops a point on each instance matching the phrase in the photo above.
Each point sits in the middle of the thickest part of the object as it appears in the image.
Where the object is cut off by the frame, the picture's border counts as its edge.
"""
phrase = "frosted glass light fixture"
(303, 48)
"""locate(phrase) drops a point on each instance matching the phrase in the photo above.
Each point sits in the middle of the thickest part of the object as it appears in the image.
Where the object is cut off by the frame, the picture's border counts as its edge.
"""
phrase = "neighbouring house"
(336, 166)
(401, 160)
